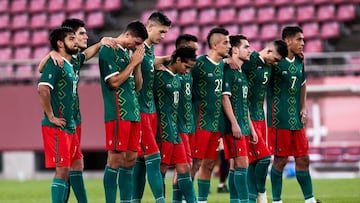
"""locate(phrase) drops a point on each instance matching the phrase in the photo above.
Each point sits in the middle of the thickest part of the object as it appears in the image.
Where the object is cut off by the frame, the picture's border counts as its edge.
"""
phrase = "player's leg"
(240, 168)
(140, 180)
(224, 172)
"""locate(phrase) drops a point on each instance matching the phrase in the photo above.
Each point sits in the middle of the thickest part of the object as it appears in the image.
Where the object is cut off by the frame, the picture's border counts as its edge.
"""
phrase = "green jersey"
(167, 89)
(207, 88)
(186, 114)
(120, 103)
(289, 77)
(77, 61)
(63, 88)
(236, 86)
(258, 74)
(146, 94)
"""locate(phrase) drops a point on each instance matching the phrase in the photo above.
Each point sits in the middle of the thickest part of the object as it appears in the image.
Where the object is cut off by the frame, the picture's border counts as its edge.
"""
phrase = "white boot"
(310, 200)
(262, 198)
(280, 201)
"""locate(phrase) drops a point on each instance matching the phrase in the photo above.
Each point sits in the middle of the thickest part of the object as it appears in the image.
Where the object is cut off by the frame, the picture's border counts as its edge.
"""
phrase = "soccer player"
(289, 117)
(76, 179)
(120, 79)
(167, 95)
(237, 130)
(258, 72)
(149, 156)
(207, 87)
(56, 90)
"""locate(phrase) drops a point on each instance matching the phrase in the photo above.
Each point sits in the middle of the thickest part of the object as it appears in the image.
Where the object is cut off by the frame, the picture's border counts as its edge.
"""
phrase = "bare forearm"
(44, 95)
(120, 78)
(92, 50)
(43, 62)
(161, 60)
(303, 97)
(228, 109)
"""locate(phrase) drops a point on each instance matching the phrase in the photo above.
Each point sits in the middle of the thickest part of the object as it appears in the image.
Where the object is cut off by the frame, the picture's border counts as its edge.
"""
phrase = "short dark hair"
(281, 48)
(235, 41)
(184, 38)
(137, 29)
(216, 30)
(59, 34)
(74, 23)
(185, 53)
(160, 18)
(290, 31)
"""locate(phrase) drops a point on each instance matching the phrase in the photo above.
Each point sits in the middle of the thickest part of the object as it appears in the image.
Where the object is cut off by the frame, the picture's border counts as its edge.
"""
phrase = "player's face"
(82, 37)
(273, 59)
(70, 44)
(157, 32)
(193, 45)
(296, 43)
(185, 67)
(244, 50)
(223, 46)
(133, 42)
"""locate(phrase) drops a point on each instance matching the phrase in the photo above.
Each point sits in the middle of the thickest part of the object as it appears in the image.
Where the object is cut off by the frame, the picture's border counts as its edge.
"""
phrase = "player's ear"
(60, 44)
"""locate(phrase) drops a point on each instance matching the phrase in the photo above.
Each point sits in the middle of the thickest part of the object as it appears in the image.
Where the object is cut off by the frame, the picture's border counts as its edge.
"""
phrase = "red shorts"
(235, 147)
(122, 135)
(257, 151)
(173, 153)
(270, 136)
(260, 128)
(206, 144)
(59, 147)
(185, 140)
(289, 142)
(149, 125)
(78, 154)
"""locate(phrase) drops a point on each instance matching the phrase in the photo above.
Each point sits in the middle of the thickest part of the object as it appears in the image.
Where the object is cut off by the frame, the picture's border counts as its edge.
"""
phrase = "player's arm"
(44, 94)
(159, 60)
(135, 59)
(92, 50)
(225, 100)
(138, 78)
(254, 135)
(303, 103)
(55, 56)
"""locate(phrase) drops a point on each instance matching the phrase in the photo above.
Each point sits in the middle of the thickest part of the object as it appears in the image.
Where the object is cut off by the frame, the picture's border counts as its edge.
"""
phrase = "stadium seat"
(159, 50)
(226, 16)
(269, 32)
(6, 72)
(305, 13)
(187, 16)
(40, 38)
(4, 21)
(282, 2)
(4, 6)
(261, 3)
(41, 52)
(93, 5)
(243, 3)
(317, 2)
(145, 16)
(352, 154)
(6, 53)
(333, 154)
(20, 21)
(346, 12)
(171, 36)
(311, 30)
(233, 29)
(250, 31)
(207, 16)
(184, 4)
(223, 3)
(172, 15)
(313, 46)
(255, 45)
(21, 37)
(246, 15)
(200, 4)
(56, 19)
(5, 38)
(95, 19)
(204, 32)
(165, 4)
(326, 12)
(330, 30)
(112, 5)
(301, 2)
(74, 5)
(90, 72)
(286, 14)
(194, 30)
(77, 14)
(37, 6)
(170, 48)
(22, 53)
(24, 72)
(266, 14)
(18, 6)
(39, 20)
(56, 5)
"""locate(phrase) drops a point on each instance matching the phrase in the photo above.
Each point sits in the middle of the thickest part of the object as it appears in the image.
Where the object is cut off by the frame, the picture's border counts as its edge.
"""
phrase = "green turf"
(327, 190)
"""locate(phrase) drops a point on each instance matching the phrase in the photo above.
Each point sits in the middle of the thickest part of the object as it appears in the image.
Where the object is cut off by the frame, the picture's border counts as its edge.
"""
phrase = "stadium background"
(332, 53)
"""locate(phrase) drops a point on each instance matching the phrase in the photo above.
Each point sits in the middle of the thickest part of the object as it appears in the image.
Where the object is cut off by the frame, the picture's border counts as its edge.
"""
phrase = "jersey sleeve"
(227, 83)
(108, 67)
(50, 74)
(81, 58)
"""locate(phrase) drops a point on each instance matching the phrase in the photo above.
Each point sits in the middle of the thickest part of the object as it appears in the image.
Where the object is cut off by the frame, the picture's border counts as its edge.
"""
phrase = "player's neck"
(148, 42)
(213, 55)
(63, 53)
(238, 61)
(290, 55)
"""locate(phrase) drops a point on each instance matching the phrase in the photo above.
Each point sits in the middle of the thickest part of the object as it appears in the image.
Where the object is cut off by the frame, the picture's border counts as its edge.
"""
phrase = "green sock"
(204, 188)
(234, 198)
(67, 193)
(125, 181)
(110, 185)
(176, 193)
(304, 179)
(251, 176)
(261, 171)
(186, 186)
(163, 181)
(78, 186)
(154, 176)
(58, 190)
(276, 184)
(140, 180)
(240, 178)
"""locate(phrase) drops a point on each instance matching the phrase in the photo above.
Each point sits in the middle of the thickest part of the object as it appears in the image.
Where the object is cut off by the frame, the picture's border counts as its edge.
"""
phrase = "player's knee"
(208, 164)
(280, 163)
(302, 163)
(62, 172)
(78, 165)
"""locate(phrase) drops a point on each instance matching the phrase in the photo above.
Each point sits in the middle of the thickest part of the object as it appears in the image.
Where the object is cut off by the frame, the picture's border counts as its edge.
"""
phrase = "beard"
(71, 51)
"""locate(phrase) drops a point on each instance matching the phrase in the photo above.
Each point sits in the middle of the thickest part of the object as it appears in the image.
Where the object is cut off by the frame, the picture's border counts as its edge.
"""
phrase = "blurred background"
(332, 58)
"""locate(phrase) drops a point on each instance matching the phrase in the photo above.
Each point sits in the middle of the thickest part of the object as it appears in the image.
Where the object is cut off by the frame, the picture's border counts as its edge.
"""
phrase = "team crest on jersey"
(168, 85)
(226, 84)
(239, 79)
(284, 72)
(122, 60)
(210, 75)
(259, 67)
(50, 76)
(110, 67)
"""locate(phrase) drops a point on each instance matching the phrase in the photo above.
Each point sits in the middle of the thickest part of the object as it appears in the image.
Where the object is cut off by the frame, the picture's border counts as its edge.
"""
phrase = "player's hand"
(109, 42)
(138, 55)
(60, 122)
(303, 116)
(236, 131)
(254, 138)
(57, 59)
(232, 63)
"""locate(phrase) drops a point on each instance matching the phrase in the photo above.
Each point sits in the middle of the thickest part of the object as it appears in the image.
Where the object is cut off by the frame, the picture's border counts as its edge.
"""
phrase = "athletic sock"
(240, 178)
(234, 198)
(163, 181)
(154, 176)
(176, 193)
(67, 193)
(125, 181)
(204, 188)
(251, 180)
(276, 184)
(58, 190)
(139, 182)
(186, 186)
(78, 186)
(110, 186)
(304, 180)
(261, 171)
